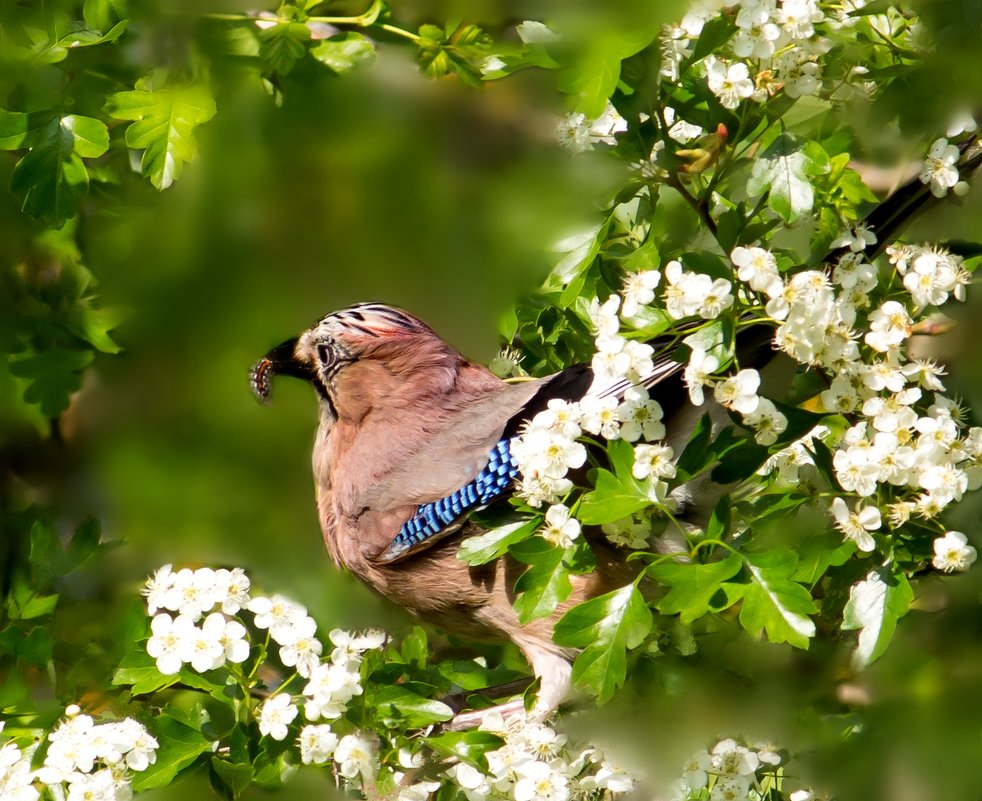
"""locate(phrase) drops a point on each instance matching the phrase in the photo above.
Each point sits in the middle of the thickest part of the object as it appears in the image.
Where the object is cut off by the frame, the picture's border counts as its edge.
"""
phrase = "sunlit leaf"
(875, 605)
(163, 126)
(772, 602)
(605, 627)
(693, 585)
(345, 52)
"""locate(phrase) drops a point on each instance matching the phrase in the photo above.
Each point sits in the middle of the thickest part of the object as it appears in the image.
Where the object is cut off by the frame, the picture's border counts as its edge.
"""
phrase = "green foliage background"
(440, 198)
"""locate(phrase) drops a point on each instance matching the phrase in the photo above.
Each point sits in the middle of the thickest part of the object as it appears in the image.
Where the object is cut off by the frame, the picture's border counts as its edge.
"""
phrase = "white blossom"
(280, 615)
(757, 268)
(560, 529)
(354, 756)
(275, 715)
(739, 392)
(769, 421)
(952, 552)
(857, 524)
(889, 326)
(729, 82)
(317, 744)
(639, 290)
(697, 374)
(599, 416)
(653, 461)
(168, 641)
(640, 416)
(939, 170)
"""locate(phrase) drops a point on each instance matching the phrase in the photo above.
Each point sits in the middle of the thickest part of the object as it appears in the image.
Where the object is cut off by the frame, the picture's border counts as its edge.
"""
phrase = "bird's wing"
(436, 519)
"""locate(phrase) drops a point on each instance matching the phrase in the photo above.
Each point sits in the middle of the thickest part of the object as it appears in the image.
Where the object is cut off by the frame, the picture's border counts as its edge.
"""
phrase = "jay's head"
(358, 355)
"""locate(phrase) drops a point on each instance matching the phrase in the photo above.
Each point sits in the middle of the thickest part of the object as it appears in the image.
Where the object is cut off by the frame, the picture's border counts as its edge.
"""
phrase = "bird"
(412, 438)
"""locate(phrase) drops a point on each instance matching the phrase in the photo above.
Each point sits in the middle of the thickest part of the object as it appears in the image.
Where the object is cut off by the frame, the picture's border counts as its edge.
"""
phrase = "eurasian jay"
(412, 438)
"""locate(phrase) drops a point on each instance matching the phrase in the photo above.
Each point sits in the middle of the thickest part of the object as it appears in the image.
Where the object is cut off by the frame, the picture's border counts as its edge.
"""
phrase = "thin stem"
(399, 32)
(699, 208)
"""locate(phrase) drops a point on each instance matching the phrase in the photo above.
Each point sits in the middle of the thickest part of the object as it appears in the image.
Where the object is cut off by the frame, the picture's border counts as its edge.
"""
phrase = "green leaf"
(467, 746)
(38, 606)
(345, 52)
(400, 703)
(606, 626)
(875, 605)
(545, 584)
(91, 135)
(283, 45)
(612, 499)
(94, 325)
(180, 745)
(19, 130)
(52, 178)
(138, 671)
(52, 376)
(235, 777)
(163, 126)
(692, 586)
(593, 79)
(781, 171)
(772, 602)
(483, 548)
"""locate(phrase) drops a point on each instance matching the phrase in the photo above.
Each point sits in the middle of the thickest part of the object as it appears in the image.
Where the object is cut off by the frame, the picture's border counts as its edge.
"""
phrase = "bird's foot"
(473, 718)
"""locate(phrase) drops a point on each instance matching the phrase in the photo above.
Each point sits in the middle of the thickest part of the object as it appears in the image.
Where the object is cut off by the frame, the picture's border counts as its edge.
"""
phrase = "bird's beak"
(281, 360)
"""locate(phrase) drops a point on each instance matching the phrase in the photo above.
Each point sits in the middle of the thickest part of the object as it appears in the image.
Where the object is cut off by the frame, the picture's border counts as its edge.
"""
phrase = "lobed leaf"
(772, 601)
(606, 627)
(163, 126)
(692, 586)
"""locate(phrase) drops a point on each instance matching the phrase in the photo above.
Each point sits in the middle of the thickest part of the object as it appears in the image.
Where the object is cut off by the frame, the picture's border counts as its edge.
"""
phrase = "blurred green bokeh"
(444, 200)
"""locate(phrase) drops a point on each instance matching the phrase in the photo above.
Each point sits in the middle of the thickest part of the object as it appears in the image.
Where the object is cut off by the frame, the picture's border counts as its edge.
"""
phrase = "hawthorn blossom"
(354, 756)
(653, 461)
(939, 170)
(275, 715)
(857, 524)
(280, 615)
(769, 421)
(639, 290)
(729, 82)
(739, 392)
(952, 552)
(560, 529)
(168, 641)
(697, 374)
(889, 326)
(857, 239)
(317, 744)
(640, 416)
(757, 268)
(599, 416)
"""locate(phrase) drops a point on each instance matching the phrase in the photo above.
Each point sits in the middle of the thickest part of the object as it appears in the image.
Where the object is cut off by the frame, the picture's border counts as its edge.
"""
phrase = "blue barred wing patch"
(439, 517)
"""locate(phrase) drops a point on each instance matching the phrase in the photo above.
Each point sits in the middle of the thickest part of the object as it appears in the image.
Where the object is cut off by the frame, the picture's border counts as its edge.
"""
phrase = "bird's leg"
(458, 701)
(554, 673)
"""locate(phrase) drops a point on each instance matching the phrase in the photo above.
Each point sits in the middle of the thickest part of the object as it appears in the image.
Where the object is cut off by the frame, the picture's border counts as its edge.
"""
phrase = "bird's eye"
(327, 355)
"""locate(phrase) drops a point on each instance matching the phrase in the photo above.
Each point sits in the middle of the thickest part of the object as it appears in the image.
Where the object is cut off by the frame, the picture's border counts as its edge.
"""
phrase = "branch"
(898, 210)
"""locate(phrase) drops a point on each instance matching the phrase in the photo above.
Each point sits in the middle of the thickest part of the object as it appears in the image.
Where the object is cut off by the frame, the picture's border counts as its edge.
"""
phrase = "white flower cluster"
(730, 772)
(930, 274)
(576, 133)
(178, 640)
(16, 776)
(536, 763)
(690, 294)
(331, 683)
(88, 760)
(775, 48)
(549, 446)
